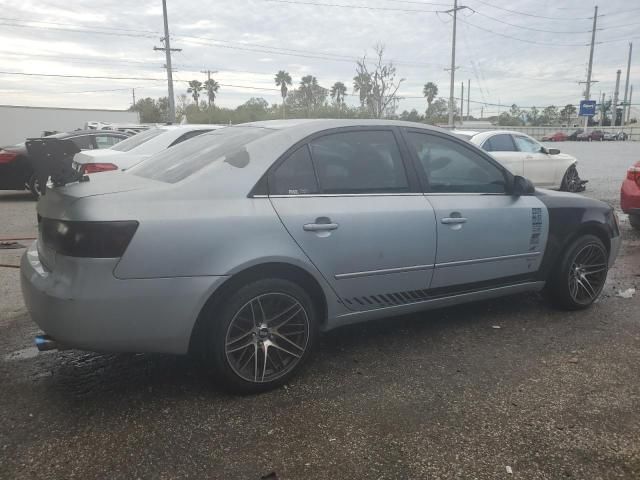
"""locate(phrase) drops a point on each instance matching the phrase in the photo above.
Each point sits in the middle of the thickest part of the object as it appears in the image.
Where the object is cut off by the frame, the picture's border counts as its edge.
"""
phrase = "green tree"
(549, 115)
(212, 87)
(311, 94)
(383, 92)
(337, 92)
(430, 91)
(362, 85)
(437, 112)
(149, 110)
(533, 116)
(195, 87)
(567, 113)
(283, 80)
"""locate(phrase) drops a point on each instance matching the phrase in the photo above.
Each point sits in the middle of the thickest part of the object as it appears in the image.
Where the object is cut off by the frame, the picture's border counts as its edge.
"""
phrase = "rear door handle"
(453, 220)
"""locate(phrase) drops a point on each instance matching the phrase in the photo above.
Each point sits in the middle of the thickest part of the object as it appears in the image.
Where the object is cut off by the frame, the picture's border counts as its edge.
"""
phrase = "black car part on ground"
(52, 158)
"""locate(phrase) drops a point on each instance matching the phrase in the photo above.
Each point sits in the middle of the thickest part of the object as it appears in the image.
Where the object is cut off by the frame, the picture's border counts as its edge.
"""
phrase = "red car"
(630, 195)
(556, 137)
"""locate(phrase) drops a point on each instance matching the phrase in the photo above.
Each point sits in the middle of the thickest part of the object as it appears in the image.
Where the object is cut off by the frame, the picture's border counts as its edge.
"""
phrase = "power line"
(526, 14)
(358, 7)
(534, 42)
(530, 28)
(76, 25)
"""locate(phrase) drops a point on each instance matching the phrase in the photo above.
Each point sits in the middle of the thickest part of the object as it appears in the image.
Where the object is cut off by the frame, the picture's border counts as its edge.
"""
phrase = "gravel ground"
(472, 391)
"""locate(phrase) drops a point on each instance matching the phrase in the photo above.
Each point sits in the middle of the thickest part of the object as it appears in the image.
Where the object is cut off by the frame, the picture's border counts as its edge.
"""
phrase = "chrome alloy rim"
(267, 337)
(587, 274)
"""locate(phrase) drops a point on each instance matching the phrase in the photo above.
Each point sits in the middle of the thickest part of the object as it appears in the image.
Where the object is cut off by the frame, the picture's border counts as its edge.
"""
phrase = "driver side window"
(527, 145)
(453, 168)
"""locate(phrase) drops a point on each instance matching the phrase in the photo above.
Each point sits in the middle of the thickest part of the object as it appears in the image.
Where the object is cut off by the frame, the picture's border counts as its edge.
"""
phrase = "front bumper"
(82, 305)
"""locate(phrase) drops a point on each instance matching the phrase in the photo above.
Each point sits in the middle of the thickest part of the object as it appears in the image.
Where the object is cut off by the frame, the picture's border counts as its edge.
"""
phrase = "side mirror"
(522, 186)
(553, 151)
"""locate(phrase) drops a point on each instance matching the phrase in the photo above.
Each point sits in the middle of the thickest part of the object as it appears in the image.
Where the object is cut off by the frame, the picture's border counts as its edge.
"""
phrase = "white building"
(18, 123)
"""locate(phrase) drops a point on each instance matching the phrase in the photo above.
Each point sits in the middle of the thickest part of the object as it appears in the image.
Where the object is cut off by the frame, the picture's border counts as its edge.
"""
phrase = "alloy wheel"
(573, 180)
(587, 274)
(267, 337)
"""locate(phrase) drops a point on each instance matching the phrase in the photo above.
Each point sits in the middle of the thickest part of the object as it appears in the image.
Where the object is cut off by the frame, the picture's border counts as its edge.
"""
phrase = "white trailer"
(18, 122)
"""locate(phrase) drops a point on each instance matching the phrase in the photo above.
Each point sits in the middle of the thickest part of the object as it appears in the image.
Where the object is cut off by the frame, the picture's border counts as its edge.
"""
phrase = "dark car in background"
(16, 172)
(591, 136)
(573, 136)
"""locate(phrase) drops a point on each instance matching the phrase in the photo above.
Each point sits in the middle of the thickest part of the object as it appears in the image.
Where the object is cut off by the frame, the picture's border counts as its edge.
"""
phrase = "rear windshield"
(181, 161)
(137, 139)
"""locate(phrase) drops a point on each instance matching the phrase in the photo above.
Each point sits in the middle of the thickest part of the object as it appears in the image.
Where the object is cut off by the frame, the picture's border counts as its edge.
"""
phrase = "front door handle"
(453, 220)
(321, 224)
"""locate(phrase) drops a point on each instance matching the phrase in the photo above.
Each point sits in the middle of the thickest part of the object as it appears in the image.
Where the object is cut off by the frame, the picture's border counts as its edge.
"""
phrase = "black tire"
(225, 366)
(634, 220)
(562, 288)
(571, 181)
(34, 187)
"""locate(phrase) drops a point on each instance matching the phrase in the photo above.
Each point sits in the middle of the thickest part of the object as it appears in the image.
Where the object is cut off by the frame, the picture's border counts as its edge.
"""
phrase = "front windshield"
(184, 159)
(137, 140)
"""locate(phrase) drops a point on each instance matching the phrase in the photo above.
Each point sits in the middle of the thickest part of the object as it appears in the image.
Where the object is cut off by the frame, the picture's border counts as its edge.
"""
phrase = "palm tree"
(430, 91)
(362, 84)
(283, 80)
(195, 87)
(212, 87)
(338, 91)
(309, 88)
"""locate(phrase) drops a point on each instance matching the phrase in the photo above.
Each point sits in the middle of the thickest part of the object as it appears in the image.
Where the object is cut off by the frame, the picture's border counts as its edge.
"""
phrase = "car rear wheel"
(634, 220)
(571, 181)
(34, 186)
(581, 274)
(262, 335)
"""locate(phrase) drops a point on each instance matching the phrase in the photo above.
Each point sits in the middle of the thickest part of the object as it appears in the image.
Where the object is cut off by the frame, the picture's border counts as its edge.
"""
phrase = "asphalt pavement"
(509, 388)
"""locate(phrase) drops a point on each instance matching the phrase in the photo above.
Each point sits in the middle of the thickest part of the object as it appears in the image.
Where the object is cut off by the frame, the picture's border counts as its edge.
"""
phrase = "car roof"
(75, 133)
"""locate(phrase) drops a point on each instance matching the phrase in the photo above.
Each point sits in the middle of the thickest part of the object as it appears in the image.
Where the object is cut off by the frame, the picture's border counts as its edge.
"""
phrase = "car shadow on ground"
(88, 378)
(16, 196)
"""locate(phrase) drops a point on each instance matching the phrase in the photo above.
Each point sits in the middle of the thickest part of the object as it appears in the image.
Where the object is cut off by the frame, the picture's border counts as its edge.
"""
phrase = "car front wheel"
(261, 336)
(34, 187)
(581, 274)
(571, 181)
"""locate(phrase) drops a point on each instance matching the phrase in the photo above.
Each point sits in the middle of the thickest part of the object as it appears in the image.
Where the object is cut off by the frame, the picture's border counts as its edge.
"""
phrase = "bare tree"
(382, 96)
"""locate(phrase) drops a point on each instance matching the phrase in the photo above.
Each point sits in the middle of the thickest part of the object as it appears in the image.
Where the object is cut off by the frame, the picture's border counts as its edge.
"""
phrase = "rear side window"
(359, 162)
(83, 142)
(177, 163)
(499, 143)
(138, 139)
(106, 141)
(294, 176)
(452, 168)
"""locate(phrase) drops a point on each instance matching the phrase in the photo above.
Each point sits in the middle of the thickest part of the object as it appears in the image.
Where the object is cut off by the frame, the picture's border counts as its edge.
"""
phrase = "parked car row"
(581, 135)
(16, 169)
(101, 150)
(289, 228)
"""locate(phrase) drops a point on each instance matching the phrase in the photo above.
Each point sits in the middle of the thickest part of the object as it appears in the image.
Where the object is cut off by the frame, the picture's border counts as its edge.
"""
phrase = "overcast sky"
(247, 41)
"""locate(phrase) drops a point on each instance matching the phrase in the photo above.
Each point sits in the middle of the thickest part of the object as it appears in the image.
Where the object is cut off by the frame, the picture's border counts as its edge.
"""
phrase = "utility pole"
(461, 102)
(468, 96)
(616, 93)
(602, 111)
(133, 93)
(167, 50)
(626, 87)
(587, 92)
(454, 10)
(481, 112)
(629, 109)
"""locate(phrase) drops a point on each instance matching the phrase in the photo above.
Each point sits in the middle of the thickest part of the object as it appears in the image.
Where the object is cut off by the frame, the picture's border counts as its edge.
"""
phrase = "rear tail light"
(7, 157)
(87, 239)
(634, 173)
(98, 167)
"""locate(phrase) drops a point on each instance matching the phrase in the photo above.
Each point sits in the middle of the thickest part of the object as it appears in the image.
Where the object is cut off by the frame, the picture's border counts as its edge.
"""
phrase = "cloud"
(247, 41)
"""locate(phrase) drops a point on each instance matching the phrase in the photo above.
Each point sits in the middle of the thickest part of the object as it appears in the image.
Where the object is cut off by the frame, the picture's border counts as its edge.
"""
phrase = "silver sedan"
(244, 243)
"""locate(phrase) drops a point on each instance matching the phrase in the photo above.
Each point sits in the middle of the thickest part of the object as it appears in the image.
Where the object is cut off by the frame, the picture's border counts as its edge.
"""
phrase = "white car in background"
(135, 149)
(525, 156)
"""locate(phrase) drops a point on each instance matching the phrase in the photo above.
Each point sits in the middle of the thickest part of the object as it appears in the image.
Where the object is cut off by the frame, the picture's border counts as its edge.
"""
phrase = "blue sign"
(587, 108)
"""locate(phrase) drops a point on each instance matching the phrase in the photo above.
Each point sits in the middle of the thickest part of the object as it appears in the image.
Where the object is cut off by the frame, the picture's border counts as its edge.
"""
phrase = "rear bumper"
(630, 197)
(82, 305)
